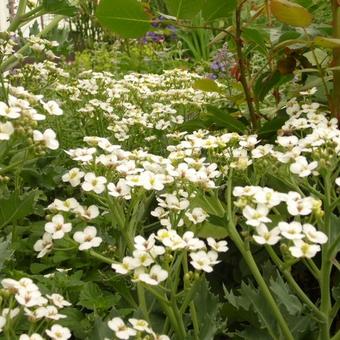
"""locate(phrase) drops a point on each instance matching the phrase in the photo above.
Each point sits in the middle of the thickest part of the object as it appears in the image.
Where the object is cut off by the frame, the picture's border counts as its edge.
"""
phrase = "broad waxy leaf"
(206, 84)
(214, 9)
(327, 42)
(124, 17)
(291, 13)
(60, 7)
(183, 9)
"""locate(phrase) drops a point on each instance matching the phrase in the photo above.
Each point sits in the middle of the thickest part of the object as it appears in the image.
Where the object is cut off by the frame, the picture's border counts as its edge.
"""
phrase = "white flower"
(220, 246)
(302, 168)
(57, 228)
(143, 258)
(268, 197)
(73, 176)
(44, 245)
(11, 112)
(140, 325)
(53, 108)
(48, 138)
(121, 330)
(193, 243)
(303, 249)
(6, 130)
(151, 181)
(142, 244)
(30, 298)
(89, 213)
(155, 276)
(309, 92)
(58, 300)
(128, 264)
(34, 336)
(299, 206)
(94, 183)
(121, 189)
(2, 323)
(49, 312)
(87, 238)
(265, 236)
(291, 231)
(197, 215)
(202, 260)
(337, 181)
(314, 235)
(58, 332)
(256, 216)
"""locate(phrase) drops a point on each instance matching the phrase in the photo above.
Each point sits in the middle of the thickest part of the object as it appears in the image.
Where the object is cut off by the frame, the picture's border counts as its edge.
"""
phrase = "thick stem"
(243, 75)
(336, 60)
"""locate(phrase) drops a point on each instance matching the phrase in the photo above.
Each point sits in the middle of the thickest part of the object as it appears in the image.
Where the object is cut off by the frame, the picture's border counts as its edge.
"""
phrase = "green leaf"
(210, 204)
(214, 9)
(261, 307)
(17, 207)
(267, 81)
(92, 297)
(183, 9)
(269, 129)
(60, 7)
(291, 13)
(5, 251)
(209, 229)
(226, 120)
(327, 42)
(259, 37)
(125, 17)
(206, 84)
(207, 308)
(281, 290)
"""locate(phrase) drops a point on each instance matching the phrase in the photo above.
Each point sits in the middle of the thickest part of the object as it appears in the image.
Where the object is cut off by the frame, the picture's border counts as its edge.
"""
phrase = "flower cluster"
(257, 202)
(137, 328)
(35, 307)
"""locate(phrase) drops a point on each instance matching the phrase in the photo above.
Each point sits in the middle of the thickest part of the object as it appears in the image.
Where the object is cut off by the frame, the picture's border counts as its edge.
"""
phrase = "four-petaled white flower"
(121, 330)
(314, 235)
(58, 332)
(48, 138)
(291, 231)
(73, 176)
(220, 246)
(44, 245)
(197, 215)
(303, 249)
(202, 260)
(256, 216)
(6, 130)
(302, 168)
(94, 183)
(87, 238)
(57, 228)
(155, 276)
(265, 236)
(53, 108)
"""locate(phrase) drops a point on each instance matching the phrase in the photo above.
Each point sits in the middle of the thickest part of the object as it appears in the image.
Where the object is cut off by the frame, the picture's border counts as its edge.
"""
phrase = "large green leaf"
(261, 307)
(285, 297)
(224, 119)
(206, 84)
(16, 207)
(207, 308)
(270, 128)
(214, 9)
(60, 7)
(291, 13)
(125, 17)
(183, 9)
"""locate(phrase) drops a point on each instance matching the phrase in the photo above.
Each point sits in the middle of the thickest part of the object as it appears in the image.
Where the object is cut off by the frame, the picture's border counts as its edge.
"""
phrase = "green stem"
(100, 257)
(13, 60)
(142, 301)
(249, 259)
(17, 19)
(326, 264)
(290, 279)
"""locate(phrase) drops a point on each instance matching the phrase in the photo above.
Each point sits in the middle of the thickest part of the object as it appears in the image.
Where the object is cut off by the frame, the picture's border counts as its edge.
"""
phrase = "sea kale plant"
(161, 206)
